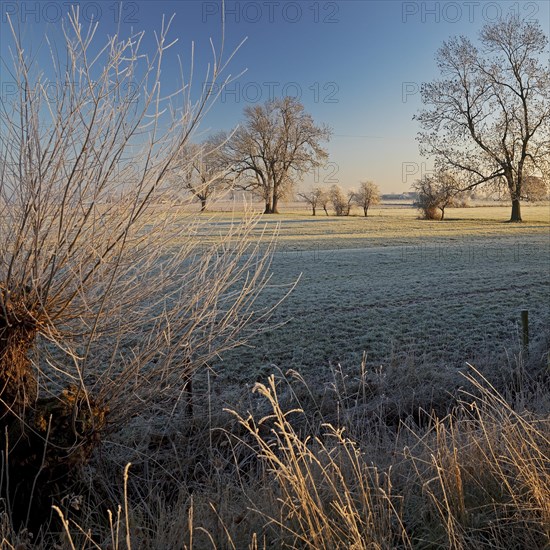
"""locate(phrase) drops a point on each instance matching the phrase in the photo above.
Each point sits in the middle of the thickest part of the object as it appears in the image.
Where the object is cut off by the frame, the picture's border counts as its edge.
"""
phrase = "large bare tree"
(276, 145)
(489, 114)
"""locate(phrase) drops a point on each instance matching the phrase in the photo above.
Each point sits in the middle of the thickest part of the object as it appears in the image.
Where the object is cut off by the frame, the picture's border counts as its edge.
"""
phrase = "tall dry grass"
(280, 476)
(328, 495)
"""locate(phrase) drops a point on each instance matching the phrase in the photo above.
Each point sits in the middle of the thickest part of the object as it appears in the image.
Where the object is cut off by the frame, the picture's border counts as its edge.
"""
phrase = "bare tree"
(489, 115)
(367, 196)
(107, 305)
(315, 197)
(435, 192)
(341, 202)
(277, 145)
(205, 169)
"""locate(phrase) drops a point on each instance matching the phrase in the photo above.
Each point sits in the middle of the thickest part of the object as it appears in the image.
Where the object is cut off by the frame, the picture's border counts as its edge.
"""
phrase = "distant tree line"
(341, 201)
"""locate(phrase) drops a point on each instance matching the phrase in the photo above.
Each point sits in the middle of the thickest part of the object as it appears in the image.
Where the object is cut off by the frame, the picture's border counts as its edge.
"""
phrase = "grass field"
(396, 287)
(336, 453)
(372, 438)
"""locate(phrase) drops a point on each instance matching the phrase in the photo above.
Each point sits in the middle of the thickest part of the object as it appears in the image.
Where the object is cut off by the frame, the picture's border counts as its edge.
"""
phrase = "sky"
(356, 65)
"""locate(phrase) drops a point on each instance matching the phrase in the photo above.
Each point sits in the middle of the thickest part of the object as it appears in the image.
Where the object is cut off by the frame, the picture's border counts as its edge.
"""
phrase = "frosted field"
(400, 290)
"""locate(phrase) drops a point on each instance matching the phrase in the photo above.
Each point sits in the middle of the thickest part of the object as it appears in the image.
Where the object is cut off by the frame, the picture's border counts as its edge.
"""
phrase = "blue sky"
(355, 64)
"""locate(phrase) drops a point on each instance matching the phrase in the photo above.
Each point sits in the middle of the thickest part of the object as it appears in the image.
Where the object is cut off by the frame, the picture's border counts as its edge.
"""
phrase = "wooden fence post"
(525, 330)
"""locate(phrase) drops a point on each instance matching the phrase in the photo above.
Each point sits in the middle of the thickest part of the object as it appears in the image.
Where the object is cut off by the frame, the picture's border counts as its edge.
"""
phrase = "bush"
(108, 303)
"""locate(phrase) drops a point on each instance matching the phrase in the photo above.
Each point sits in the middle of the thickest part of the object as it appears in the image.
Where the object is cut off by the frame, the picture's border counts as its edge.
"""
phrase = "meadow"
(387, 403)
(398, 288)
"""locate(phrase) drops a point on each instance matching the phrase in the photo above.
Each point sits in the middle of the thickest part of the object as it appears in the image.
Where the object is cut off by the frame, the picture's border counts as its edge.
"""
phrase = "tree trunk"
(442, 213)
(365, 210)
(325, 209)
(516, 211)
(274, 202)
(203, 205)
(313, 208)
(18, 329)
(47, 438)
(18, 389)
(267, 207)
(47, 447)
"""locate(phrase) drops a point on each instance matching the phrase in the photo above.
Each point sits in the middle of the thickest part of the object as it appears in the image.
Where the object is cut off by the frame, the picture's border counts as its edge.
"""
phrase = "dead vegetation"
(298, 465)
(107, 304)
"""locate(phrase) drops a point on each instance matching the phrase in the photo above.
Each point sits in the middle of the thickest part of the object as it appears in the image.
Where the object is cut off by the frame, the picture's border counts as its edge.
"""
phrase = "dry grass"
(483, 476)
(281, 476)
(328, 496)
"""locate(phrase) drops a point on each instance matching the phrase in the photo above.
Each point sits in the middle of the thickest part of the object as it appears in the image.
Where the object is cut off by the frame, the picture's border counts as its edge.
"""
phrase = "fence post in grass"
(525, 330)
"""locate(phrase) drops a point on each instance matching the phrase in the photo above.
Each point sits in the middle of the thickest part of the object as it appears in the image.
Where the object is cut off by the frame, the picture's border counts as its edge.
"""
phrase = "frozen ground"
(402, 289)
